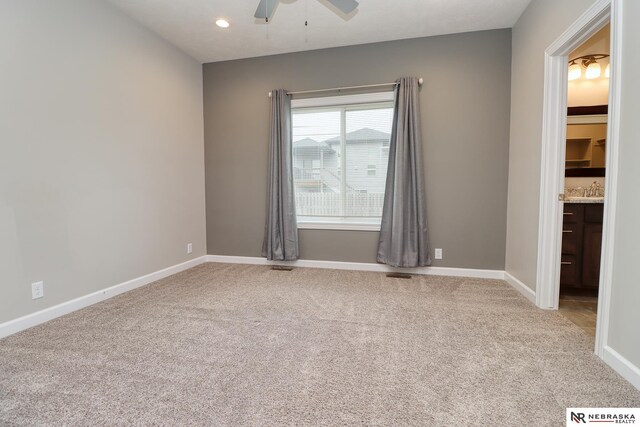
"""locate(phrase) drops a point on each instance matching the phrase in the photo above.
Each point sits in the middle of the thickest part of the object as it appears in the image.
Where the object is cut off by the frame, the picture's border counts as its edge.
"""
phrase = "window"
(340, 156)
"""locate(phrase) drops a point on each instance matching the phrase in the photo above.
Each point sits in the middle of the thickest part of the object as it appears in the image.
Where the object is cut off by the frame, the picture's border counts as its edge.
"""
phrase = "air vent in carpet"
(281, 268)
(399, 275)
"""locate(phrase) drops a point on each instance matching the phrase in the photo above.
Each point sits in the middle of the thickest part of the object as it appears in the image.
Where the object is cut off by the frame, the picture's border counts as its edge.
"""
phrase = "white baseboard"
(13, 326)
(362, 266)
(621, 365)
(16, 325)
(520, 287)
(624, 367)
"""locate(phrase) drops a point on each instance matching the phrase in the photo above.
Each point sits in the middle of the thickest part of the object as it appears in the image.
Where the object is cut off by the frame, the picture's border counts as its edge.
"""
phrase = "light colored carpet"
(244, 345)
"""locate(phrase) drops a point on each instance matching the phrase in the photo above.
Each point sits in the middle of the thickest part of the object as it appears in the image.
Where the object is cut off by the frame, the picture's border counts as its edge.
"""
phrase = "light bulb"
(607, 71)
(593, 71)
(575, 72)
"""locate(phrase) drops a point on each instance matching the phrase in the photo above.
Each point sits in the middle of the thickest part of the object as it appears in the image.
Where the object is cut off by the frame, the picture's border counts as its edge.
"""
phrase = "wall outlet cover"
(189, 248)
(438, 253)
(37, 290)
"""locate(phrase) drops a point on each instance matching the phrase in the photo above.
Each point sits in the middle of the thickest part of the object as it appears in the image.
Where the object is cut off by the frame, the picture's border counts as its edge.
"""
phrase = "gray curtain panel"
(403, 233)
(281, 229)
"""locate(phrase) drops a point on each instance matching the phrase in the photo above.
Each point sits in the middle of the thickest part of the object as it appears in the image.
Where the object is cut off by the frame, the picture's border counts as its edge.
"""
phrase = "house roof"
(311, 144)
(363, 135)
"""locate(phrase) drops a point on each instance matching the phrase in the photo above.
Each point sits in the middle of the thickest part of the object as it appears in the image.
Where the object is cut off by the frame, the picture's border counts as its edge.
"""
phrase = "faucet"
(594, 190)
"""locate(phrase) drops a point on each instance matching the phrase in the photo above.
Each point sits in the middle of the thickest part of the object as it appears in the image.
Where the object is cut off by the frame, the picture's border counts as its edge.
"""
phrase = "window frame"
(342, 103)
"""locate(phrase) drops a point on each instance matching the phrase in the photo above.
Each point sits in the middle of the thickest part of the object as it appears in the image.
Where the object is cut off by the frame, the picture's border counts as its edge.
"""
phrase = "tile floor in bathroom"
(580, 310)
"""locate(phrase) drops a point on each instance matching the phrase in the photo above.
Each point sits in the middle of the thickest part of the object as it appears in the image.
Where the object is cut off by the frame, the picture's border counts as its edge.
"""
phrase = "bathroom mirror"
(586, 142)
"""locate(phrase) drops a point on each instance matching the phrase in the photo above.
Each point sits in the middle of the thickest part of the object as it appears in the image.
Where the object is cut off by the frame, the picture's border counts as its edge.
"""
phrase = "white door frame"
(553, 159)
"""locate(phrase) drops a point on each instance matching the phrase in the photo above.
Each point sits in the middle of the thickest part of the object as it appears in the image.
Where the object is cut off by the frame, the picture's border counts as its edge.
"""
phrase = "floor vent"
(399, 275)
(281, 268)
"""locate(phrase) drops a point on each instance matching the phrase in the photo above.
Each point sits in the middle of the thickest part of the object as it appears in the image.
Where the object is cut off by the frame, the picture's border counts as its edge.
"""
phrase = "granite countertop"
(584, 200)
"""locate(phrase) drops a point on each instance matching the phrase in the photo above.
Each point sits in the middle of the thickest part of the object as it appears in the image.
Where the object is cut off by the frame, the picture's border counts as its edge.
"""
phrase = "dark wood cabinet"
(591, 255)
(581, 247)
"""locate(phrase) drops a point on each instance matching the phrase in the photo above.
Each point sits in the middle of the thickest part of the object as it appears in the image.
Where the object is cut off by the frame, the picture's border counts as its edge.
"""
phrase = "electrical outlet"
(189, 248)
(37, 290)
(438, 253)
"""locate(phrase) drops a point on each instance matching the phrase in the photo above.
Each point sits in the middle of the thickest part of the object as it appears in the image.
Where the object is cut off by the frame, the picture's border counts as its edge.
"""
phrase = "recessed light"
(222, 23)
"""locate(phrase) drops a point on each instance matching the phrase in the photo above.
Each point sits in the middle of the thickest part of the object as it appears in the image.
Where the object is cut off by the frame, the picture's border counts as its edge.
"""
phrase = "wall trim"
(552, 159)
(614, 359)
(30, 320)
(611, 182)
(520, 287)
(25, 322)
(622, 366)
(362, 266)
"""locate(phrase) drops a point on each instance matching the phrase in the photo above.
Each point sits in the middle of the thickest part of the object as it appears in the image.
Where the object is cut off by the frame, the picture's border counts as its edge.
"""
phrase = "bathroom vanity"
(581, 244)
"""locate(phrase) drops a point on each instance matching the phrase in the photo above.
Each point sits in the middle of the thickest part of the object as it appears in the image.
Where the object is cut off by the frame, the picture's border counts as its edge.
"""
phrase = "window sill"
(306, 225)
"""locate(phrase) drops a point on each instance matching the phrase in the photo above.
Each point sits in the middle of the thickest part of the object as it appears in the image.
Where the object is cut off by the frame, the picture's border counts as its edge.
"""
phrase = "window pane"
(316, 164)
(326, 138)
(367, 154)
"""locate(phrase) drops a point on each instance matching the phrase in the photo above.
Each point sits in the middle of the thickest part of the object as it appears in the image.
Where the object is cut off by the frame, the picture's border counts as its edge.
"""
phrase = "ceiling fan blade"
(265, 9)
(345, 6)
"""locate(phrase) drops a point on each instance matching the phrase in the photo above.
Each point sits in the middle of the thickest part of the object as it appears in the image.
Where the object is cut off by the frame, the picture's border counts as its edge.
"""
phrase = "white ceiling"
(190, 24)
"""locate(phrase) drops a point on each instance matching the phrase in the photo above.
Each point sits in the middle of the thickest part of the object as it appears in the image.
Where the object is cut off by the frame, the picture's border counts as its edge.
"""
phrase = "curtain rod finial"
(420, 81)
(269, 94)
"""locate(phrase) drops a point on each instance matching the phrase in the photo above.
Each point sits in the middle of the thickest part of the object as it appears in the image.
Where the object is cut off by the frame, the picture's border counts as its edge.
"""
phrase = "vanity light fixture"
(575, 71)
(593, 69)
(222, 23)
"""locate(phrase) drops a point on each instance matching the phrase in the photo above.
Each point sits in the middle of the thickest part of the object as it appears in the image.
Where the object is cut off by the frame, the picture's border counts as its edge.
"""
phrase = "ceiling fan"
(266, 7)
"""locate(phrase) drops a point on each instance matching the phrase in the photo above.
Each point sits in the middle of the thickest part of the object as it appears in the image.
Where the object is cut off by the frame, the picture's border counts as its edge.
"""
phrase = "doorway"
(584, 180)
(554, 151)
(584, 183)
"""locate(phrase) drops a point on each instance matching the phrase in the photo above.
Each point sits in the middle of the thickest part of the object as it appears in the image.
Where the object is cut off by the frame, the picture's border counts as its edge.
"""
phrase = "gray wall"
(465, 118)
(540, 24)
(101, 152)
(625, 293)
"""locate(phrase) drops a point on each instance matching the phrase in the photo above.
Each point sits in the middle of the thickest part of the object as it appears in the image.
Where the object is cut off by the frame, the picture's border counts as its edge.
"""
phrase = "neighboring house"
(316, 164)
